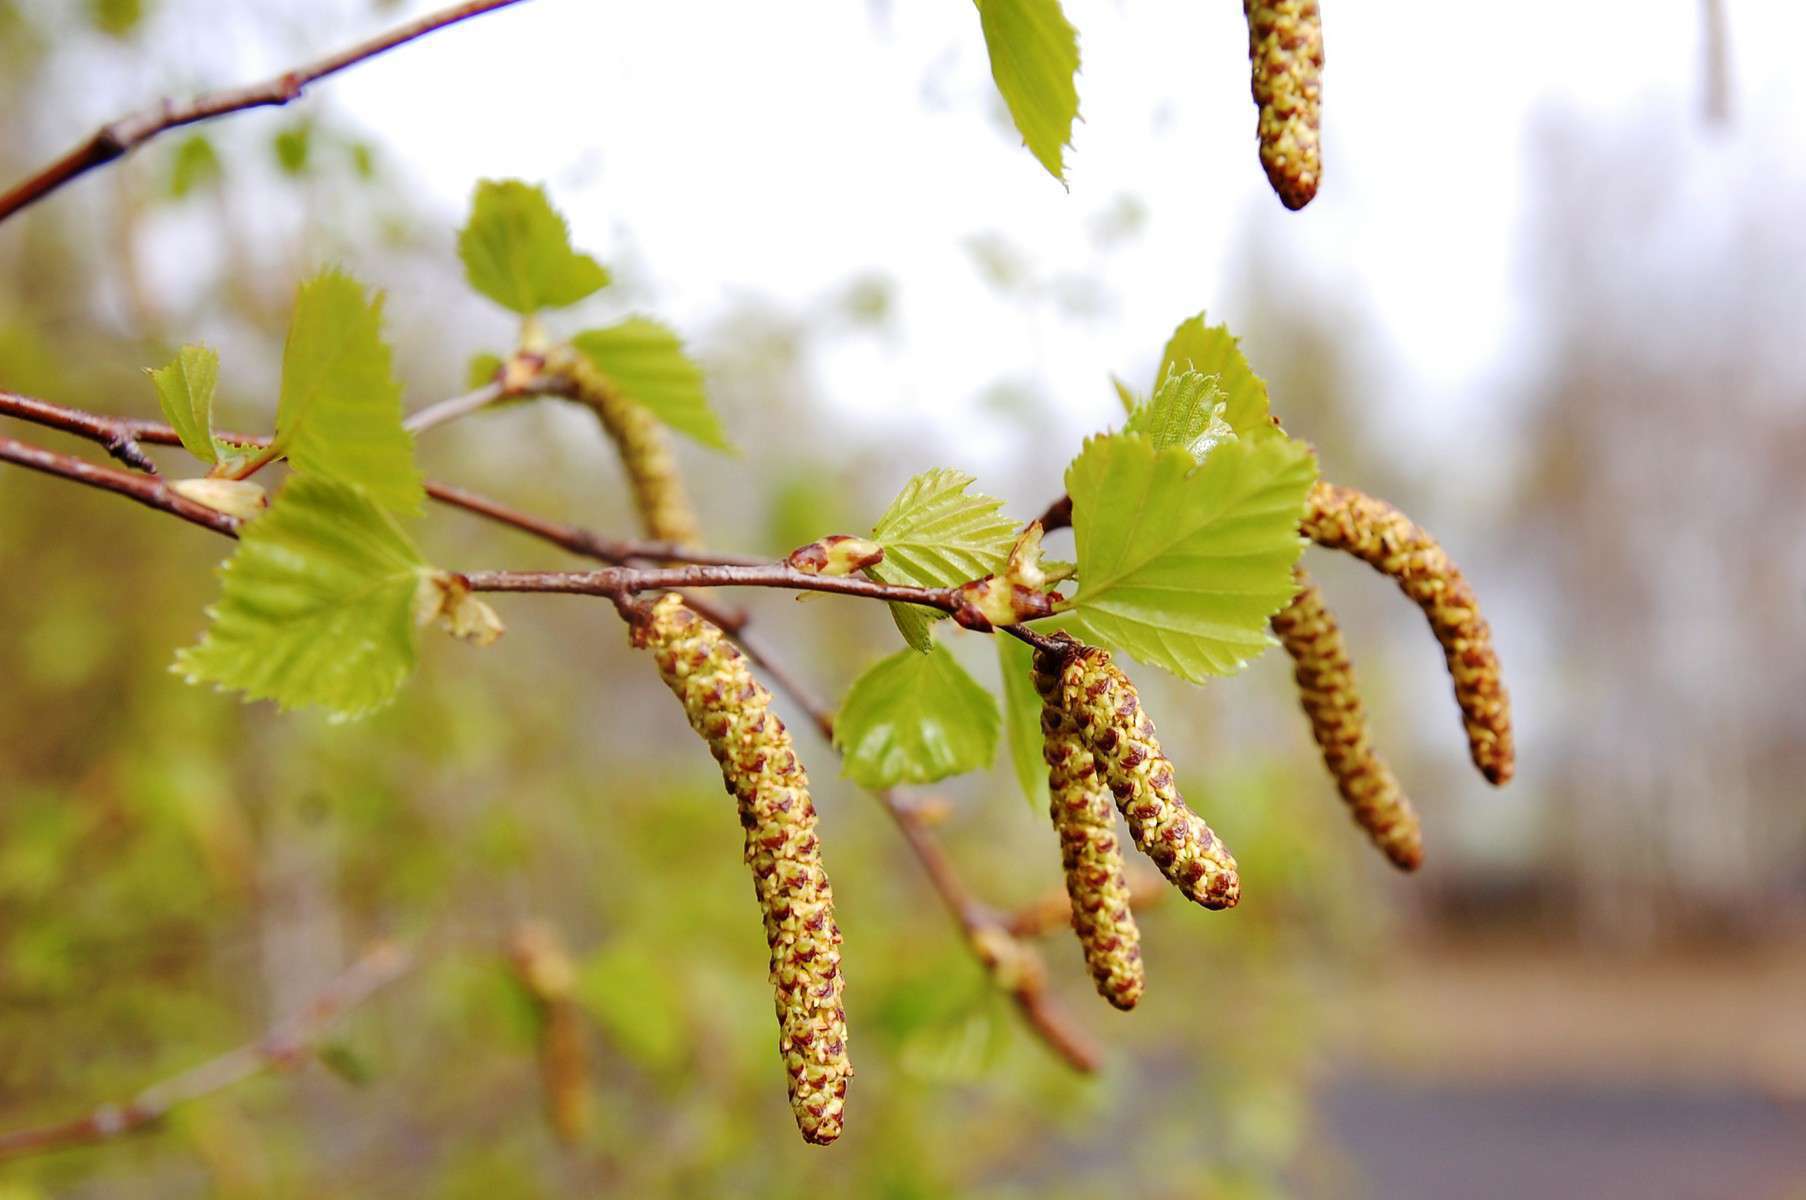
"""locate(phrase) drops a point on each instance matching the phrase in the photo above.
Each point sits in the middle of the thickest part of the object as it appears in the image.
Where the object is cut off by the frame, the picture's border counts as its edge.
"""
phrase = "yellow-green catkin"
(1097, 883)
(666, 512)
(1285, 48)
(1326, 688)
(732, 712)
(1103, 704)
(1372, 530)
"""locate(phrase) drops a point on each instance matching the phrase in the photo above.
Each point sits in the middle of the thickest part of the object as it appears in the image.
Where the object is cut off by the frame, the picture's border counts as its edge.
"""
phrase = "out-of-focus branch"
(1053, 910)
(118, 138)
(545, 971)
(1715, 36)
(283, 1047)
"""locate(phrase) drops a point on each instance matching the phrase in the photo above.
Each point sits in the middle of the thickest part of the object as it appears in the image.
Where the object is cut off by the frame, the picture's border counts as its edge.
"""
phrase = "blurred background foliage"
(178, 870)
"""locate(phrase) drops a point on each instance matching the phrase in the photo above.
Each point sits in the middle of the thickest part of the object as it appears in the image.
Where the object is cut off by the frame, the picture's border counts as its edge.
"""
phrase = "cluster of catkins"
(1102, 758)
(732, 712)
(1372, 530)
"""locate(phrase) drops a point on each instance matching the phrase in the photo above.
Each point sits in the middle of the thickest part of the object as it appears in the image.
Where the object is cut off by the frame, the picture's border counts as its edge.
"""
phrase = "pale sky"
(776, 150)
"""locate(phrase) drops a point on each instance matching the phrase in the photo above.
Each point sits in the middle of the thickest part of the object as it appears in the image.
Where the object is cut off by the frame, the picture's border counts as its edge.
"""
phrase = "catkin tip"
(1285, 52)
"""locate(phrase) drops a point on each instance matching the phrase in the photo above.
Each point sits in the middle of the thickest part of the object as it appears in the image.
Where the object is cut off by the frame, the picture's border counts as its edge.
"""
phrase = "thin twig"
(614, 581)
(283, 1047)
(104, 431)
(581, 541)
(119, 436)
(117, 138)
(975, 919)
(450, 410)
(148, 490)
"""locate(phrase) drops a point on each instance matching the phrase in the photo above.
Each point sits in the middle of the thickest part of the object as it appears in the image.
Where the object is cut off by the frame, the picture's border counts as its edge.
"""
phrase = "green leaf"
(1022, 718)
(517, 250)
(915, 718)
(317, 605)
(1187, 410)
(340, 413)
(1034, 56)
(646, 362)
(195, 164)
(480, 372)
(935, 535)
(1180, 562)
(185, 391)
(1126, 394)
(294, 147)
(1209, 350)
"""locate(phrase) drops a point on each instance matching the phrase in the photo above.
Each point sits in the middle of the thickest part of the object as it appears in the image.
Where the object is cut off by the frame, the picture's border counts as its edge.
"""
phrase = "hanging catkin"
(1096, 881)
(1285, 49)
(1372, 530)
(1326, 688)
(732, 712)
(1107, 711)
(658, 490)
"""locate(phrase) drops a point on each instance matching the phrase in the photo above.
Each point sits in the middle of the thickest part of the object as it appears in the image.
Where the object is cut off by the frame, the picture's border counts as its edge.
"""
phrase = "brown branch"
(120, 437)
(980, 924)
(580, 541)
(283, 1047)
(618, 581)
(1053, 910)
(148, 490)
(120, 137)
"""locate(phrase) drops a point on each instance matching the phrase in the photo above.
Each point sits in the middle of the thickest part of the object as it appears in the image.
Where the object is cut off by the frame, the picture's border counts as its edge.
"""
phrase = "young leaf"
(1022, 718)
(340, 413)
(1187, 410)
(935, 535)
(481, 370)
(647, 363)
(185, 391)
(517, 250)
(317, 605)
(1180, 562)
(1034, 56)
(195, 164)
(915, 718)
(1209, 350)
(1126, 394)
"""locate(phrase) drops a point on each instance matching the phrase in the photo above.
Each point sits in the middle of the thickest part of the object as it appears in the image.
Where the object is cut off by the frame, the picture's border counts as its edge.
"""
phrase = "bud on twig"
(1285, 47)
(1104, 706)
(1326, 688)
(1387, 540)
(444, 597)
(732, 712)
(1016, 595)
(1096, 882)
(837, 554)
(241, 498)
